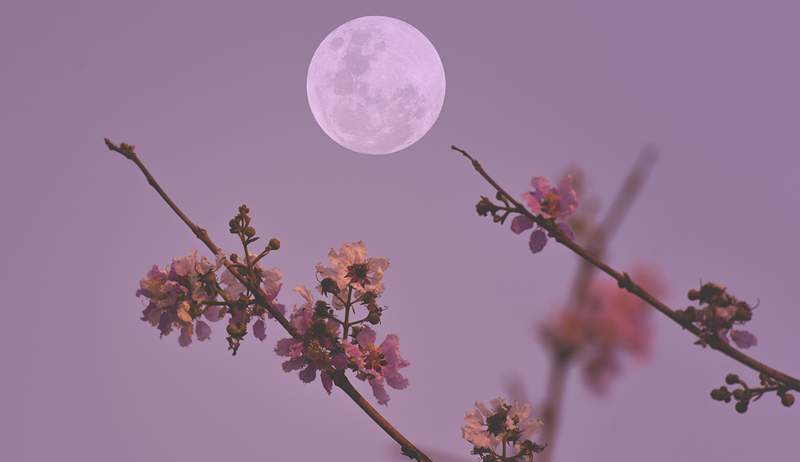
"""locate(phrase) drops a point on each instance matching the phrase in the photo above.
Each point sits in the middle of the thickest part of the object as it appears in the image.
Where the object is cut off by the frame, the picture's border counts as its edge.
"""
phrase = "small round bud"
(249, 231)
(721, 394)
(731, 379)
(741, 407)
(484, 207)
(694, 294)
(740, 395)
(374, 317)
(787, 399)
(274, 244)
(235, 331)
(328, 286)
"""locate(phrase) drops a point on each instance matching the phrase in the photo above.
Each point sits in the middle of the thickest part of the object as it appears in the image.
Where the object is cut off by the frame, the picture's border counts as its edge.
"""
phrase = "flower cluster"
(178, 296)
(331, 343)
(352, 275)
(317, 348)
(605, 323)
(556, 203)
(717, 314)
(501, 433)
(183, 294)
(322, 340)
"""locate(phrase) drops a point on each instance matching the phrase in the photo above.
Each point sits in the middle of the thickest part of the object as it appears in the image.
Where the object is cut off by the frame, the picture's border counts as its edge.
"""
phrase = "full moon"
(375, 85)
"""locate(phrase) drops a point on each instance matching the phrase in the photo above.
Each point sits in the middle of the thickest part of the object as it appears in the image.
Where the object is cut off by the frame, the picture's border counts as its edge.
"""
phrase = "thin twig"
(261, 298)
(624, 281)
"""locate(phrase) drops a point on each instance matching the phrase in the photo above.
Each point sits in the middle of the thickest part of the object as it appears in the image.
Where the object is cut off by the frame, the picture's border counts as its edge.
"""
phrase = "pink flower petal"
(308, 374)
(260, 330)
(743, 338)
(379, 391)
(366, 336)
(567, 230)
(541, 186)
(293, 364)
(213, 313)
(203, 331)
(532, 201)
(521, 223)
(186, 336)
(538, 241)
(283, 346)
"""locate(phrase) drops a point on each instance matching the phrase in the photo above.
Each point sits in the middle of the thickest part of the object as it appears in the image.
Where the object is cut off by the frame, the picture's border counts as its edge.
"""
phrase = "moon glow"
(375, 85)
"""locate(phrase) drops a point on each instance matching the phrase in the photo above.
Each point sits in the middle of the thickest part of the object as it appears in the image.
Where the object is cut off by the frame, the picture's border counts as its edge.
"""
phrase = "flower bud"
(374, 317)
(731, 379)
(368, 298)
(740, 394)
(235, 331)
(787, 399)
(274, 244)
(694, 294)
(485, 207)
(321, 308)
(328, 286)
(741, 407)
(721, 394)
(249, 231)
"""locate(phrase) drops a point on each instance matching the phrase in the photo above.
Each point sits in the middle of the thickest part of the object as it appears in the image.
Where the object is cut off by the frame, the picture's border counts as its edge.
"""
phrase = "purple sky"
(214, 98)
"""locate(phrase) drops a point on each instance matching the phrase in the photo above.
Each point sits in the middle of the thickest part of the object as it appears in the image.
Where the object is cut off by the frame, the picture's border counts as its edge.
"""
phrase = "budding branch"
(262, 299)
(625, 282)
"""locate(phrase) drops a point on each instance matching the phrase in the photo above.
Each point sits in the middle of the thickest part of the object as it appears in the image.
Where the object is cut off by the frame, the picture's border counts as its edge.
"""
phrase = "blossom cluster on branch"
(715, 322)
(326, 338)
(353, 282)
(501, 432)
(330, 334)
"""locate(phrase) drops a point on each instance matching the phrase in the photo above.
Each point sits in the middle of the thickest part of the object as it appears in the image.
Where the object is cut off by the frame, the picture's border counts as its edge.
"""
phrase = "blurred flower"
(554, 203)
(609, 322)
(379, 365)
(504, 426)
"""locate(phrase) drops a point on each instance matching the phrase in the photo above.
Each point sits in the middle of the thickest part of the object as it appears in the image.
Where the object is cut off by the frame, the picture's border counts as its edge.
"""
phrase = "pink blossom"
(743, 338)
(554, 203)
(202, 330)
(379, 365)
(175, 296)
(719, 312)
(313, 351)
(260, 330)
(351, 267)
(487, 428)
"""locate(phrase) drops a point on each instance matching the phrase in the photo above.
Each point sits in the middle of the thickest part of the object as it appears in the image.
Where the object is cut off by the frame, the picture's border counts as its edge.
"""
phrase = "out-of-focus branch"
(625, 282)
(599, 238)
(262, 299)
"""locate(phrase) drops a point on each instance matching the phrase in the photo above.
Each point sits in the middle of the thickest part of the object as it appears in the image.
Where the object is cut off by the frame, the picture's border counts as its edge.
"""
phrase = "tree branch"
(625, 282)
(261, 298)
